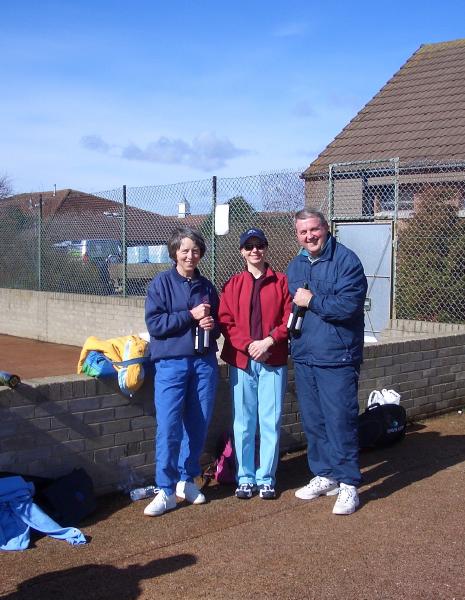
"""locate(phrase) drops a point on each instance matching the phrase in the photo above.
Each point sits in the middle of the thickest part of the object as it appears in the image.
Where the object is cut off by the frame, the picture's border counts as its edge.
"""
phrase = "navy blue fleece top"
(170, 297)
(332, 329)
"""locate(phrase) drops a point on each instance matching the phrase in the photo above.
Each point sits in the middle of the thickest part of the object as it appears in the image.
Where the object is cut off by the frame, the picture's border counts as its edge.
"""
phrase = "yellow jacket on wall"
(131, 377)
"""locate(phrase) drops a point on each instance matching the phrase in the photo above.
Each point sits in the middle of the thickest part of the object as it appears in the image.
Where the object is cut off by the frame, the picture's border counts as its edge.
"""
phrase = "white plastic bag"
(383, 397)
(390, 396)
(375, 397)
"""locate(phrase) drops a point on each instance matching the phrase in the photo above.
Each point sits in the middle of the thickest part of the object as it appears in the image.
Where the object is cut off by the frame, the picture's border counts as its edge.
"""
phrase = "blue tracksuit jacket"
(18, 514)
(332, 331)
(170, 297)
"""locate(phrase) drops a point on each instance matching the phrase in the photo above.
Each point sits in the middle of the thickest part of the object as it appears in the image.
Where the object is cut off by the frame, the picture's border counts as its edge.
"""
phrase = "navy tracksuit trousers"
(328, 403)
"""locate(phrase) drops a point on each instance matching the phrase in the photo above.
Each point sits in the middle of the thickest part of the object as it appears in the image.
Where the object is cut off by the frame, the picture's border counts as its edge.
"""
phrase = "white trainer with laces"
(160, 504)
(318, 486)
(187, 490)
(245, 491)
(347, 500)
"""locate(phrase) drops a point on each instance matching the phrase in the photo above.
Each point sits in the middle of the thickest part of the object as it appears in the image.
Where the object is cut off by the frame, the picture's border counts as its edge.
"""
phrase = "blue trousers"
(328, 402)
(185, 390)
(257, 391)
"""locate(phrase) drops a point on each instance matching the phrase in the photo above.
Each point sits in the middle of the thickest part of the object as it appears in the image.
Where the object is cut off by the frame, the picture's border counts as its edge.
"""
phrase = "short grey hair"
(308, 213)
(178, 234)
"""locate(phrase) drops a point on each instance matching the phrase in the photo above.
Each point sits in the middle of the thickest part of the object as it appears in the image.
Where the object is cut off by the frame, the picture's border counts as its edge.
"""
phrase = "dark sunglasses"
(258, 246)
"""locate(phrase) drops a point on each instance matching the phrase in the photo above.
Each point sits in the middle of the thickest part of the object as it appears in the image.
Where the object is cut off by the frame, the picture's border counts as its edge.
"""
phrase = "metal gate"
(372, 242)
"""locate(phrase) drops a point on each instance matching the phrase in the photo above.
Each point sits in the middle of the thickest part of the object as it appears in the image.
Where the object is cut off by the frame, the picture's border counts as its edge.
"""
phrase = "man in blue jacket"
(327, 355)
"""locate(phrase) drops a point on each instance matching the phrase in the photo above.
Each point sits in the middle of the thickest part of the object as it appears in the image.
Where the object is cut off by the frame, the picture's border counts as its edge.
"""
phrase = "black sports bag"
(381, 425)
(69, 499)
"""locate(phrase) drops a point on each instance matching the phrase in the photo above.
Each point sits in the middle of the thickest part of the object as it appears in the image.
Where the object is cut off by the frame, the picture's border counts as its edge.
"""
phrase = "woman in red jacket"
(254, 309)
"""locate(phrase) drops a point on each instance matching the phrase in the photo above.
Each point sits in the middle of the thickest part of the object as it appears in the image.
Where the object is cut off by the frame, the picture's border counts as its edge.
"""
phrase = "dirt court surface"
(31, 358)
(406, 541)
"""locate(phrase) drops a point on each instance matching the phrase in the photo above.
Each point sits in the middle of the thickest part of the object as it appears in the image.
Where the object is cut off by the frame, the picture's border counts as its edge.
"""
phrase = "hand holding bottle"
(200, 311)
(301, 299)
(302, 296)
(205, 323)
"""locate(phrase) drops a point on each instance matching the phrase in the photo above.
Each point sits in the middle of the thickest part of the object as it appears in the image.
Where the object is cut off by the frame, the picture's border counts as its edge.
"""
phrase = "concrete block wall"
(48, 426)
(429, 373)
(69, 318)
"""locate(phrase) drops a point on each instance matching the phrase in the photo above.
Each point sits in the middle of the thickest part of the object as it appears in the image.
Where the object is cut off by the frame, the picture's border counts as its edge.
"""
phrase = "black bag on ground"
(381, 425)
(69, 499)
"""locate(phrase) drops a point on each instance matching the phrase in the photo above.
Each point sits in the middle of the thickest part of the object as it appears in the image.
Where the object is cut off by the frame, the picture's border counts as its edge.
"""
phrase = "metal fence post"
(395, 240)
(330, 197)
(39, 244)
(123, 244)
(213, 237)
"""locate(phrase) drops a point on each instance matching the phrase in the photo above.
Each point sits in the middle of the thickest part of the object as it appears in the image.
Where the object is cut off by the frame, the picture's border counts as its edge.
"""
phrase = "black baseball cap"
(252, 233)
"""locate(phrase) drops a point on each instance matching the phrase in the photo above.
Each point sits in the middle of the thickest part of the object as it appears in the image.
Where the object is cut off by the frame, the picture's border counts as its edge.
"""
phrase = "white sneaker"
(347, 500)
(318, 486)
(160, 504)
(190, 492)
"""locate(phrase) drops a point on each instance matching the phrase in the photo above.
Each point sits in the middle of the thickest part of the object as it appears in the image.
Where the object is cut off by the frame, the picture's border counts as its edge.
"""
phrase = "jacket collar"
(326, 252)
(269, 272)
(181, 278)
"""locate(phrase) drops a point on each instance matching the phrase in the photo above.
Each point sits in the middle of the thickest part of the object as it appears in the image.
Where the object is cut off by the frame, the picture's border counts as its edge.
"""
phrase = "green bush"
(431, 262)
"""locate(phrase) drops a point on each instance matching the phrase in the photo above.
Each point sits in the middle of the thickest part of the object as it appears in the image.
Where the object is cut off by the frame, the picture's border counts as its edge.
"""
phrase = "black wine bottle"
(202, 336)
(202, 340)
(294, 324)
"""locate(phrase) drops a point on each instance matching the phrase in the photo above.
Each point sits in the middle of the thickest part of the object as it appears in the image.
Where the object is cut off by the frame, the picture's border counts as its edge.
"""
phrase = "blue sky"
(97, 94)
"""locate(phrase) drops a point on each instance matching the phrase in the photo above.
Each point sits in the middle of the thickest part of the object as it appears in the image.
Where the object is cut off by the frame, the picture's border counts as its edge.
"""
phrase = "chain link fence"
(426, 204)
(114, 242)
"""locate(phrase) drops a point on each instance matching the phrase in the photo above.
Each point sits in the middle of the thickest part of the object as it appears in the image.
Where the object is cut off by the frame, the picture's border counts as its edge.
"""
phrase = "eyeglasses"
(258, 246)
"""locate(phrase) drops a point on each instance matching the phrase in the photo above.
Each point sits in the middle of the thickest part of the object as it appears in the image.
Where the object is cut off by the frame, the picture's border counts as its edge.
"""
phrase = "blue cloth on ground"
(18, 514)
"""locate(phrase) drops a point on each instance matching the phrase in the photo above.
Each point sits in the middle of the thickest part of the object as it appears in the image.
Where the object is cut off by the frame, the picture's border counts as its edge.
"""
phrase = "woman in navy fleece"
(179, 301)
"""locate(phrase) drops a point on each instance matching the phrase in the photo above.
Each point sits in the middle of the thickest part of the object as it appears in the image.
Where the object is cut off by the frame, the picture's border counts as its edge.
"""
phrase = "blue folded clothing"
(18, 514)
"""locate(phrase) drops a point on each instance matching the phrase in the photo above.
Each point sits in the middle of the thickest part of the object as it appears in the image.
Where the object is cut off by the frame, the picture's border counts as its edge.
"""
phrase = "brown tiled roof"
(29, 203)
(68, 200)
(418, 115)
(72, 215)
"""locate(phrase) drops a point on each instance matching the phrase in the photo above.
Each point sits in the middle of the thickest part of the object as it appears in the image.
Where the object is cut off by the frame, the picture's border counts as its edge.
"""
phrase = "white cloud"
(207, 152)
(95, 142)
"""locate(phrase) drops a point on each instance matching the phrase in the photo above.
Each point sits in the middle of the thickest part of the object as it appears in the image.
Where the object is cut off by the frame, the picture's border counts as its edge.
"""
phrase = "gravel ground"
(405, 541)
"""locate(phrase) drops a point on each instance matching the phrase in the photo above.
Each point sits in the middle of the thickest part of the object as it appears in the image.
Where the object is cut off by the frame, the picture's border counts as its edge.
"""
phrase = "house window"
(384, 197)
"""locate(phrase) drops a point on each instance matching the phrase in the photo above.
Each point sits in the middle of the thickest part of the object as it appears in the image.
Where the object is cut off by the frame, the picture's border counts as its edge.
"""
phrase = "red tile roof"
(72, 215)
(418, 115)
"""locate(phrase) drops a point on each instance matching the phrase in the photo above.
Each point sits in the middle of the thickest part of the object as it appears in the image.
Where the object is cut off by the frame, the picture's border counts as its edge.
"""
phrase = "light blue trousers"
(257, 391)
(184, 399)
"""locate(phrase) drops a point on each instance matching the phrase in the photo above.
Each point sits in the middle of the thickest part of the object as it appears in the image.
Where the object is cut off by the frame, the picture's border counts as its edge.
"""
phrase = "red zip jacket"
(234, 317)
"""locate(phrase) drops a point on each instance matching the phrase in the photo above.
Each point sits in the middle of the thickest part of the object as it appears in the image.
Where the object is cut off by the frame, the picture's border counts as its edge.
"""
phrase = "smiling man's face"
(311, 234)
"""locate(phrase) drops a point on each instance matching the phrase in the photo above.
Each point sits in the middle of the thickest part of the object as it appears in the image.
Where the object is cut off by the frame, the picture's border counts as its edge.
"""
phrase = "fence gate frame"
(363, 171)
